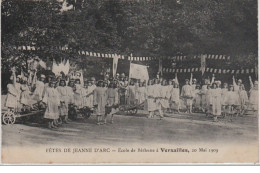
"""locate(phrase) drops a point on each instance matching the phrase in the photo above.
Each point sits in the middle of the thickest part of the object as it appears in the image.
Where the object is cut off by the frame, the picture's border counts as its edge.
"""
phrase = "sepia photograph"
(129, 82)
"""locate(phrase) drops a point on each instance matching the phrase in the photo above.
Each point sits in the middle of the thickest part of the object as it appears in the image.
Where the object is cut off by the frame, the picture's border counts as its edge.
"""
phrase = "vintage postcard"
(129, 82)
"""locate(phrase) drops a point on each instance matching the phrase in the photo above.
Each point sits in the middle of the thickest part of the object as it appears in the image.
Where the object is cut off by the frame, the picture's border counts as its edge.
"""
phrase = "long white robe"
(100, 99)
(253, 98)
(11, 99)
(151, 106)
(187, 94)
(216, 101)
(39, 91)
(64, 98)
(52, 99)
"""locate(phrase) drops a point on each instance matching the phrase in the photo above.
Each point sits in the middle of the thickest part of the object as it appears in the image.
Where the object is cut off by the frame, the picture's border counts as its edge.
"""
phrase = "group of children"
(160, 95)
(54, 94)
(104, 96)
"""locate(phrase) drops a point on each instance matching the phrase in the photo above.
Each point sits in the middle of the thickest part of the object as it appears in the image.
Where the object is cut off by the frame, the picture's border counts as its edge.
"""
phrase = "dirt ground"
(134, 129)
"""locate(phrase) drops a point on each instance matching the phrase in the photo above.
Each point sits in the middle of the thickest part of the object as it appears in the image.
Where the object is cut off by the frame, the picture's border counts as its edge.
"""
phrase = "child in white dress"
(64, 99)
(233, 100)
(253, 94)
(175, 97)
(11, 99)
(216, 101)
(151, 106)
(243, 99)
(52, 100)
(187, 94)
(224, 99)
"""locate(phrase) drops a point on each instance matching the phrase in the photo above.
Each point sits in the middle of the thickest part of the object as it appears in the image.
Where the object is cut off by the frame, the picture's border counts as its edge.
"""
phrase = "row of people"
(157, 96)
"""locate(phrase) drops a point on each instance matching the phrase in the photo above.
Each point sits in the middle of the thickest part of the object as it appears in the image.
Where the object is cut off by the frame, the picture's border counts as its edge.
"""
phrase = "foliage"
(144, 27)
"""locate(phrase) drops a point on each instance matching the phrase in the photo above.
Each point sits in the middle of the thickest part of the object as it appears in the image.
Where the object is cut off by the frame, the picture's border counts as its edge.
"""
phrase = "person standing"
(243, 99)
(165, 96)
(216, 101)
(25, 94)
(100, 100)
(233, 100)
(141, 92)
(197, 98)
(158, 96)
(112, 101)
(175, 97)
(224, 99)
(18, 88)
(11, 99)
(64, 99)
(132, 93)
(39, 89)
(253, 94)
(52, 100)
(78, 94)
(91, 87)
(204, 89)
(187, 94)
(151, 106)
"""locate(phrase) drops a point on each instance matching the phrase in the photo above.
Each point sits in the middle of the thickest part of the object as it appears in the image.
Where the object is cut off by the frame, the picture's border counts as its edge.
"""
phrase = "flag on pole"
(115, 62)
(203, 63)
(138, 71)
(160, 66)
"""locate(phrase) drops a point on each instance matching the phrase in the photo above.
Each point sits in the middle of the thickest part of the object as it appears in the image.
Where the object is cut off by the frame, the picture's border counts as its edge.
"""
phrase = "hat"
(42, 76)
(19, 76)
(194, 79)
(123, 75)
(117, 74)
(256, 82)
(239, 80)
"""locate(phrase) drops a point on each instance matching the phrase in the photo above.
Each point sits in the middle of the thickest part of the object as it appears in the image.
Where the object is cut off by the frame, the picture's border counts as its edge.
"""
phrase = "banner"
(115, 62)
(138, 71)
(203, 63)
(160, 66)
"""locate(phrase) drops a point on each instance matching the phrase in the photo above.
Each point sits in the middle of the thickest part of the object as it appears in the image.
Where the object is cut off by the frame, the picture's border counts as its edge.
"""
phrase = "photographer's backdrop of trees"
(143, 27)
